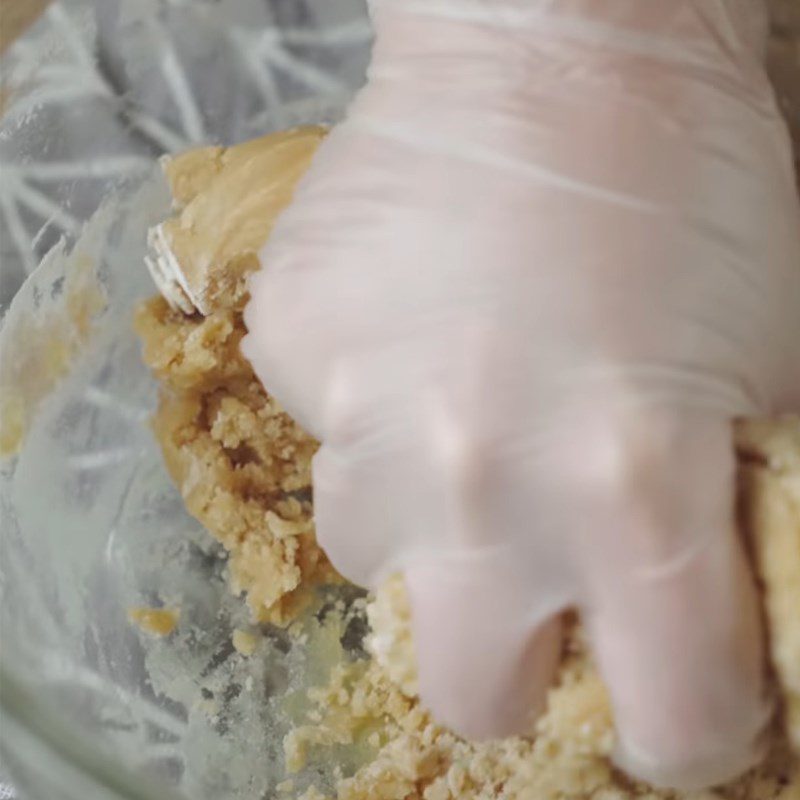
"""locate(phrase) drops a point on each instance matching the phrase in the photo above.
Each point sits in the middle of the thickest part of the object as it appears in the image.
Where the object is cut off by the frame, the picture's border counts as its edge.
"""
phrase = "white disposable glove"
(526, 285)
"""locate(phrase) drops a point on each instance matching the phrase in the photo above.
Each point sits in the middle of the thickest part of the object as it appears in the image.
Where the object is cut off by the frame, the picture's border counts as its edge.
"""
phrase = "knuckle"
(645, 454)
(695, 759)
(661, 486)
(613, 451)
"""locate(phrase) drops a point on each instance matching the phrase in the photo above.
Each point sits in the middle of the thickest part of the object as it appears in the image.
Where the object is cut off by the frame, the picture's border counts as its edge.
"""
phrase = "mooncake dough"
(226, 199)
(244, 469)
(242, 465)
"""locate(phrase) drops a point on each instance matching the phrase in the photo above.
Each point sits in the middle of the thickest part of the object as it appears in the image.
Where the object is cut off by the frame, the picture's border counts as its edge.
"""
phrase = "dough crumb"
(12, 424)
(154, 621)
(244, 642)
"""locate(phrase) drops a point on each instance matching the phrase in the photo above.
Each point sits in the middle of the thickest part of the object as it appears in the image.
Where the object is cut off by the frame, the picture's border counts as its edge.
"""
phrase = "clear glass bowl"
(93, 707)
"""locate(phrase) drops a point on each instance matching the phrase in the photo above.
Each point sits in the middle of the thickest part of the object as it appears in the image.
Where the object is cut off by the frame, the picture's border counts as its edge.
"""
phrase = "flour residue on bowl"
(47, 325)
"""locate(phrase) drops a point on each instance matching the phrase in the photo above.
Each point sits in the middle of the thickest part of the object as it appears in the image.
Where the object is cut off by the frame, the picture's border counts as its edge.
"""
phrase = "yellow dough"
(769, 454)
(227, 199)
(243, 467)
(155, 621)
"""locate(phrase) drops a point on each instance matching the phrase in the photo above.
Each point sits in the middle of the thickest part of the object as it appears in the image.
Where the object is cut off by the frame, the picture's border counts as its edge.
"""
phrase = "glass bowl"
(92, 527)
(93, 708)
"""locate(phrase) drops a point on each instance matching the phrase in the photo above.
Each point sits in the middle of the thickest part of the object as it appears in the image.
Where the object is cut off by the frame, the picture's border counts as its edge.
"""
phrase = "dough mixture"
(243, 467)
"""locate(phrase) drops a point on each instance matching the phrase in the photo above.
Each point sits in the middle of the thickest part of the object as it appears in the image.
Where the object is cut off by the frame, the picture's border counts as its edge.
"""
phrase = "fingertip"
(688, 768)
(482, 673)
(683, 659)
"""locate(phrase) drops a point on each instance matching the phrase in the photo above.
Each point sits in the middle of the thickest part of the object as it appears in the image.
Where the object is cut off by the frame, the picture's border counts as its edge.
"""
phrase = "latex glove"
(525, 286)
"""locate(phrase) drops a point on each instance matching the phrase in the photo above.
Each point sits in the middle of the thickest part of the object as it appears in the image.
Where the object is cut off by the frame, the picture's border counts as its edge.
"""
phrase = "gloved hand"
(526, 285)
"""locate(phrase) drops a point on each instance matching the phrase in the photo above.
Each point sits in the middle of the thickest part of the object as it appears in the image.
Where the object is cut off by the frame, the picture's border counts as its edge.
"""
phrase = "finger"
(486, 654)
(673, 613)
(484, 668)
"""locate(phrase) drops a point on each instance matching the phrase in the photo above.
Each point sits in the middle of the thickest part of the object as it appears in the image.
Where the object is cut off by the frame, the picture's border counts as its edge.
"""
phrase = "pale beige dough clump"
(244, 642)
(226, 200)
(242, 464)
(770, 476)
(243, 467)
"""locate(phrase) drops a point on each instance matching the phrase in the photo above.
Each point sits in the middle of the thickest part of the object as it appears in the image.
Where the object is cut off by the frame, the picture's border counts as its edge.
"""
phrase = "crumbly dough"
(769, 453)
(243, 467)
